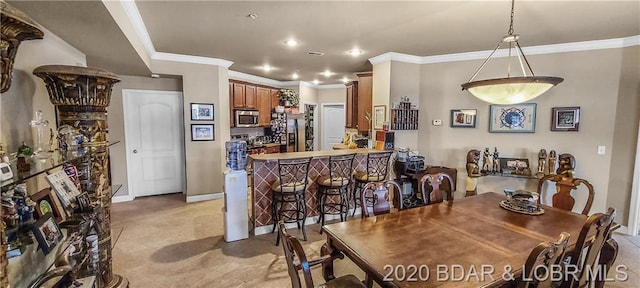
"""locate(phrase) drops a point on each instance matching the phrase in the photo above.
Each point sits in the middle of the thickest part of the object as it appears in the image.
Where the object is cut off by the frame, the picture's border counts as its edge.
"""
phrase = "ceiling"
(221, 29)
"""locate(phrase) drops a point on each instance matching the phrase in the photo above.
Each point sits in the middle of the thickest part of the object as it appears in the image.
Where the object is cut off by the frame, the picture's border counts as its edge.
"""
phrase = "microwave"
(246, 118)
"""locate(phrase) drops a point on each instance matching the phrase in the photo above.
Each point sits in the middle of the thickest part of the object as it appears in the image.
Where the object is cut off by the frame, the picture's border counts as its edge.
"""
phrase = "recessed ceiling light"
(291, 42)
(252, 16)
(295, 75)
(327, 73)
(154, 75)
(316, 82)
(345, 79)
(315, 53)
(267, 68)
(355, 52)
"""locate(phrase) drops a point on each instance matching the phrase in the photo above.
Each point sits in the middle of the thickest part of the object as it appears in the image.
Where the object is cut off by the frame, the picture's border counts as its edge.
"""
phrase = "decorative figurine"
(542, 162)
(486, 162)
(39, 123)
(473, 172)
(552, 162)
(496, 161)
(24, 152)
(566, 165)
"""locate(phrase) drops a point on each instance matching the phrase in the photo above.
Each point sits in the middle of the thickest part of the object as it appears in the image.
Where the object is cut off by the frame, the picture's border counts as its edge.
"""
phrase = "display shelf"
(512, 176)
(39, 166)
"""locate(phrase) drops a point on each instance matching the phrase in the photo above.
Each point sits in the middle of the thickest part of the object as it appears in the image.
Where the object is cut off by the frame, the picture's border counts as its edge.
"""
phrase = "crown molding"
(190, 59)
(254, 78)
(531, 50)
(331, 86)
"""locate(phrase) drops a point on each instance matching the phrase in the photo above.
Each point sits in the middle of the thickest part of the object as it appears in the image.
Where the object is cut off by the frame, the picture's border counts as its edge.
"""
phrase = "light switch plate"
(437, 122)
(602, 149)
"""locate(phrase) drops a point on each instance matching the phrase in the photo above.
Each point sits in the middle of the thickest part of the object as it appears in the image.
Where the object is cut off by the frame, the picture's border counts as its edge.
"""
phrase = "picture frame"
(202, 112)
(46, 204)
(202, 132)
(47, 233)
(515, 166)
(516, 118)
(64, 187)
(379, 116)
(565, 118)
(463, 118)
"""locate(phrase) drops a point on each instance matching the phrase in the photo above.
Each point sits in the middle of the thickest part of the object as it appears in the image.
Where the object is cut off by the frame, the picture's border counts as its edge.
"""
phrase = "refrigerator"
(300, 130)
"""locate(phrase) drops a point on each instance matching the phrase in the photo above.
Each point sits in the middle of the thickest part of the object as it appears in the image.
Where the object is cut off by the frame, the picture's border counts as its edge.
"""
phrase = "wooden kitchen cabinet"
(264, 106)
(351, 110)
(238, 96)
(250, 97)
(273, 149)
(364, 104)
(275, 99)
(231, 106)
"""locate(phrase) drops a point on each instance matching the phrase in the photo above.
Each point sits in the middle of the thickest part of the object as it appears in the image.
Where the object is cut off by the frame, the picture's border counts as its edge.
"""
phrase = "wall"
(405, 82)
(592, 81)
(325, 96)
(116, 121)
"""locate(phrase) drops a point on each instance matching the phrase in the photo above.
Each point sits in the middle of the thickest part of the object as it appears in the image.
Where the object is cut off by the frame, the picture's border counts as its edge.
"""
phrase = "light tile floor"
(165, 242)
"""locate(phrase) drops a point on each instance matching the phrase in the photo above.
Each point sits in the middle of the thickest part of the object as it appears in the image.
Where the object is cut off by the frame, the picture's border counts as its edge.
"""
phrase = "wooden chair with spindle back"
(297, 260)
(542, 260)
(564, 185)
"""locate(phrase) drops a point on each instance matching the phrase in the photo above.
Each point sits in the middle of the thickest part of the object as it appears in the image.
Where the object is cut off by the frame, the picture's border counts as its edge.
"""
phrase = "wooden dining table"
(469, 242)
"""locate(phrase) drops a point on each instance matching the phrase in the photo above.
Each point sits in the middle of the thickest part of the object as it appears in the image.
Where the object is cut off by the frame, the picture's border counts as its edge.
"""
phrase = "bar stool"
(335, 185)
(288, 194)
(377, 168)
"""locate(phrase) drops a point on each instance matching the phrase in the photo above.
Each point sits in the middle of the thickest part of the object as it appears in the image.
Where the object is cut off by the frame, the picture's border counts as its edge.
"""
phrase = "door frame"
(634, 204)
(324, 119)
(130, 192)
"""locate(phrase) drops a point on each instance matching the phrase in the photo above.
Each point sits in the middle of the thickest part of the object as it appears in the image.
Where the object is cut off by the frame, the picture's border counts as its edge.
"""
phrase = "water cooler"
(236, 212)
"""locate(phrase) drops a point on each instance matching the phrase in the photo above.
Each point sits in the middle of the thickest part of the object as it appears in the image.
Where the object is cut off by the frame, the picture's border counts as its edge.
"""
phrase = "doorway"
(154, 134)
(634, 205)
(333, 123)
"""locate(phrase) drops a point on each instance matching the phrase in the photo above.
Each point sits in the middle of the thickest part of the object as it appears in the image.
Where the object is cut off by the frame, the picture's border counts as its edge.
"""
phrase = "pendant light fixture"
(510, 90)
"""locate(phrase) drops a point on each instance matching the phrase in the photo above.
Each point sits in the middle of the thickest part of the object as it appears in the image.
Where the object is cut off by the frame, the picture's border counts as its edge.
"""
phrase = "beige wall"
(593, 81)
(328, 96)
(116, 121)
(405, 82)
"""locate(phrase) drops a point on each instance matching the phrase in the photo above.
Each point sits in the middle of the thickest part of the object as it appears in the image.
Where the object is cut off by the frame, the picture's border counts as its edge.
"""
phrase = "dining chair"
(564, 185)
(374, 198)
(377, 166)
(297, 260)
(542, 261)
(430, 185)
(588, 248)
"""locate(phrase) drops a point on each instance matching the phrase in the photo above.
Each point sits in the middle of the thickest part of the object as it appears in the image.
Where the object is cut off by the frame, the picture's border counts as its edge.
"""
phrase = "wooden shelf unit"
(404, 118)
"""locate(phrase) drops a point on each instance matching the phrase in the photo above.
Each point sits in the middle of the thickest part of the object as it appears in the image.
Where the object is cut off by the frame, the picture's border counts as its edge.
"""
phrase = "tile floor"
(165, 242)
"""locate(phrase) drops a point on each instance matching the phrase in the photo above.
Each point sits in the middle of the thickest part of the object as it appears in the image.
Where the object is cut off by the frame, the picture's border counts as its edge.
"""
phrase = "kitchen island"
(265, 173)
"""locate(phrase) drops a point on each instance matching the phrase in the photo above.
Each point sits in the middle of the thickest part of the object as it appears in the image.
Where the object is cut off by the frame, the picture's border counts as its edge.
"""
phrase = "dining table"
(469, 242)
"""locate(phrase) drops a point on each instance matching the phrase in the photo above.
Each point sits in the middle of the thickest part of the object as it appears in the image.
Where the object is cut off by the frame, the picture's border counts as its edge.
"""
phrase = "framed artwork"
(202, 132)
(64, 187)
(516, 118)
(47, 233)
(565, 118)
(46, 204)
(463, 118)
(379, 116)
(515, 166)
(201, 112)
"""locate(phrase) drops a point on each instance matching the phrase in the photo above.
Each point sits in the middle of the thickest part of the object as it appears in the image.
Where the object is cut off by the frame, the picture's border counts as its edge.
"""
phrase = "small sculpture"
(473, 172)
(486, 162)
(542, 161)
(566, 165)
(496, 161)
(552, 162)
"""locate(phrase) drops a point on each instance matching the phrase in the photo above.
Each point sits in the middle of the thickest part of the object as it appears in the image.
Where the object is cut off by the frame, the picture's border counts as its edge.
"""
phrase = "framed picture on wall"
(516, 118)
(463, 118)
(379, 116)
(201, 112)
(202, 132)
(565, 118)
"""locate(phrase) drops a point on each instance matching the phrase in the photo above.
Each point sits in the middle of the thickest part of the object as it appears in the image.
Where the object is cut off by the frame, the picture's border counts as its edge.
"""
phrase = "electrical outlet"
(437, 122)
(602, 150)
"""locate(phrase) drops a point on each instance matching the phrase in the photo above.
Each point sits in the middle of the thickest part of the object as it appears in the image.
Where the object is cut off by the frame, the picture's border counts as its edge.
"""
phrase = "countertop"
(314, 154)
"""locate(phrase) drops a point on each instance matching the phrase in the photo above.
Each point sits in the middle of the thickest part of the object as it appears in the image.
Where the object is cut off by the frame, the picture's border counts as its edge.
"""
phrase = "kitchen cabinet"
(351, 110)
(273, 149)
(250, 97)
(364, 104)
(231, 106)
(264, 106)
(238, 96)
(275, 99)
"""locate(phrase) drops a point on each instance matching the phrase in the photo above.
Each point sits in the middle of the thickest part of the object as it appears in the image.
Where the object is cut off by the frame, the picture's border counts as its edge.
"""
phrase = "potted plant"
(289, 97)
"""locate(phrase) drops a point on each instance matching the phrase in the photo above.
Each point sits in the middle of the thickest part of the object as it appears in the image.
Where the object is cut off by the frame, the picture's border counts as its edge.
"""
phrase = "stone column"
(81, 96)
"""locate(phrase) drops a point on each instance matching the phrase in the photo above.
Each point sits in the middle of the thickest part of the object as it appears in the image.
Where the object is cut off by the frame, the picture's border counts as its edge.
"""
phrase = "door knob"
(135, 151)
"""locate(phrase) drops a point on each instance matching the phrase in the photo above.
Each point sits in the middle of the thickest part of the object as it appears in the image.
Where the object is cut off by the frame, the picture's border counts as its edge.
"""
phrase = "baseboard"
(122, 198)
(309, 221)
(623, 230)
(204, 197)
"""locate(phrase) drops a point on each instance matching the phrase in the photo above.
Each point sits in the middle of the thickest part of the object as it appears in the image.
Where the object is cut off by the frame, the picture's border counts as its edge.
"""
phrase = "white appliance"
(236, 211)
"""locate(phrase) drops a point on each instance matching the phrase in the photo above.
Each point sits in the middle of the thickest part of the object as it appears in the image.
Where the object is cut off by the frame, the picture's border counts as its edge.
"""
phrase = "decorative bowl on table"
(520, 201)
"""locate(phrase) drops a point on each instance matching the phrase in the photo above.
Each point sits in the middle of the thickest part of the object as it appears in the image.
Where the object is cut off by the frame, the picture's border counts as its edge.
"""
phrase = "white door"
(333, 122)
(154, 140)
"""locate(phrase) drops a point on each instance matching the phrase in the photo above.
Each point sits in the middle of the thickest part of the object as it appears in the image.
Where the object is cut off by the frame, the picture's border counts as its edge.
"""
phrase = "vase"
(287, 103)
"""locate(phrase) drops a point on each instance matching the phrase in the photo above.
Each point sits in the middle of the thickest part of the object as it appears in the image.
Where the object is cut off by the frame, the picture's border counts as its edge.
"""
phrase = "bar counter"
(265, 173)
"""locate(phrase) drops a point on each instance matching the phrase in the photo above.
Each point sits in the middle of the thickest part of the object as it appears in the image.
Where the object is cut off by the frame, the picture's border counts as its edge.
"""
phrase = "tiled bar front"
(265, 173)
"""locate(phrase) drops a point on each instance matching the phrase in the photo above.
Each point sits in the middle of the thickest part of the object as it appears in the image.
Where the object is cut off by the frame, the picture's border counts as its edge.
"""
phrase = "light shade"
(511, 90)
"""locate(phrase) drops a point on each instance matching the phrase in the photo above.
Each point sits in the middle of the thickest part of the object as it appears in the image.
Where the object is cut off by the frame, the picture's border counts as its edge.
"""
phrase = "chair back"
(430, 184)
(564, 185)
(293, 174)
(296, 259)
(378, 166)
(375, 195)
(543, 260)
(593, 235)
(341, 169)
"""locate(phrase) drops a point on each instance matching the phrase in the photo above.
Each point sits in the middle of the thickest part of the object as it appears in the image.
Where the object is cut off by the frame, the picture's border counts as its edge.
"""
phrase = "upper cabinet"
(238, 96)
(359, 102)
(244, 96)
(264, 106)
(251, 96)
